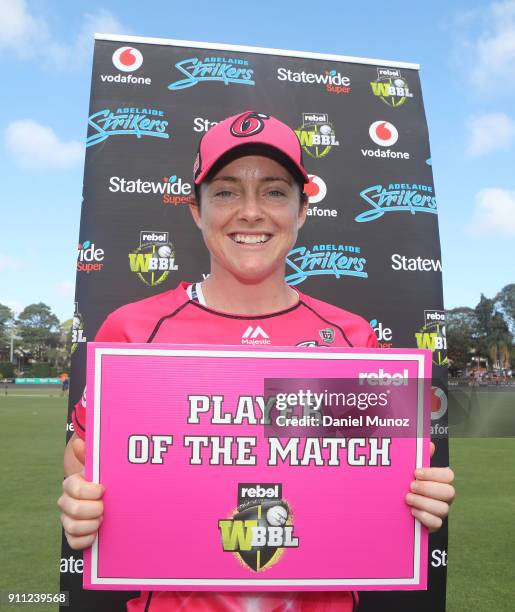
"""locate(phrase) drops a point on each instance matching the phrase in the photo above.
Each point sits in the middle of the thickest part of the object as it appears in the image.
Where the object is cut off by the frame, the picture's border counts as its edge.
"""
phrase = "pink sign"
(206, 491)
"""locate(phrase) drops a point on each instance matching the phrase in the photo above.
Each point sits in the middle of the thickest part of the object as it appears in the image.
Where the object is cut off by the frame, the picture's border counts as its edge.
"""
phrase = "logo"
(438, 403)
(325, 259)
(172, 189)
(397, 197)
(226, 70)
(261, 527)
(383, 334)
(154, 259)
(127, 59)
(248, 124)
(415, 264)
(71, 565)
(327, 335)
(432, 336)
(391, 87)
(89, 257)
(316, 190)
(130, 121)
(78, 335)
(255, 335)
(384, 134)
(200, 124)
(333, 81)
(316, 135)
(384, 378)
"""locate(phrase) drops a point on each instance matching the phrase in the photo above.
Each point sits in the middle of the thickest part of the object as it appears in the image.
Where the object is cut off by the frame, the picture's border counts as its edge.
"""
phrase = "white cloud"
(488, 133)
(494, 212)
(14, 305)
(30, 37)
(8, 264)
(493, 60)
(35, 146)
(65, 289)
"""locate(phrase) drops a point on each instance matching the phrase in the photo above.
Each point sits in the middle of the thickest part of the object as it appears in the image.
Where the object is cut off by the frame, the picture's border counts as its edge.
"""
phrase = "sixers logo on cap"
(248, 124)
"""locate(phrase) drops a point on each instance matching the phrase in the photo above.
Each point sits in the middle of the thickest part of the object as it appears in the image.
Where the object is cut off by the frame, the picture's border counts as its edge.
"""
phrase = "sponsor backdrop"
(370, 243)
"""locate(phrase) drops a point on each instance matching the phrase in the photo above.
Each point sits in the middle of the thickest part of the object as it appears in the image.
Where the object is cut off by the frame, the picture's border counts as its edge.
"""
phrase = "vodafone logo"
(438, 403)
(316, 189)
(383, 133)
(127, 59)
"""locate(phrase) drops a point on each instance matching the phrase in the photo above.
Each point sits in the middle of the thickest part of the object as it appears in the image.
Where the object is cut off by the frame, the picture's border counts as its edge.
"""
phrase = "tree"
(460, 331)
(6, 320)
(504, 302)
(38, 329)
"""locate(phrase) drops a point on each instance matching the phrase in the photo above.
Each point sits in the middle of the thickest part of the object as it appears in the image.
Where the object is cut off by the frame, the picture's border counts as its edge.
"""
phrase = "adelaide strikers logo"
(248, 124)
(154, 259)
(432, 336)
(316, 134)
(391, 87)
(78, 335)
(261, 527)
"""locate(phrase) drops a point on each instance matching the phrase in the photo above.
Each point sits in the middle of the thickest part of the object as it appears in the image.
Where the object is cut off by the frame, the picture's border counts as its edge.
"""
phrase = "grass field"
(481, 541)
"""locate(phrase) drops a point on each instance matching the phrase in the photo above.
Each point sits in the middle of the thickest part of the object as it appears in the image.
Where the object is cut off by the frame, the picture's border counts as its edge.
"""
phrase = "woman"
(249, 206)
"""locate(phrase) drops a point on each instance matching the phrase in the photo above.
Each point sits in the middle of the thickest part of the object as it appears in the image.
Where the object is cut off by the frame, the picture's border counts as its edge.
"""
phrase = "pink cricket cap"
(249, 129)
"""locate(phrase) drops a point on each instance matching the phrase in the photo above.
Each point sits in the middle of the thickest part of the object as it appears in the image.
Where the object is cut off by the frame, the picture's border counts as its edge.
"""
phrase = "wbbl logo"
(154, 259)
(261, 526)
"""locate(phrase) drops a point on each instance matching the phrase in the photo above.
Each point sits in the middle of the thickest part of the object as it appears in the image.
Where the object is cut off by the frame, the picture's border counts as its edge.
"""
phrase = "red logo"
(383, 133)
(316, 189)
(127, 59)
(248, 124)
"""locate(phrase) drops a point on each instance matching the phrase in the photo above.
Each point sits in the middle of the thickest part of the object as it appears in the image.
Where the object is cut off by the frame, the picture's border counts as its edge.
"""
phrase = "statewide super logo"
(154, 259)
(391, 87)
(383, 334)
(333, 81)
(336, 260)
(432, 336)
(89, 257)
(226, 70)
(78, 334)
(172, 189)
(396, 197)
(384, 134)
(139, 122)
(127, 60)
(260, 528)
(316, 134)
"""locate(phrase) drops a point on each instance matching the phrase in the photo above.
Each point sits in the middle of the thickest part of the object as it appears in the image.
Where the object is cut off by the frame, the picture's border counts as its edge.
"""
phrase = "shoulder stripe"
(168, 316)
(149, 599)
(329, 322)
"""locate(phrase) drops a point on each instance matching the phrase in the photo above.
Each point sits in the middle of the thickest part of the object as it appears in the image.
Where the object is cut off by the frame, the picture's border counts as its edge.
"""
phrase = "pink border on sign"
(160, 527)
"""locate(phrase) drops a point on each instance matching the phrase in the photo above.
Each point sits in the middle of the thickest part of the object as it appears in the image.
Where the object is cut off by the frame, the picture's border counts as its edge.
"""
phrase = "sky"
(467, 55)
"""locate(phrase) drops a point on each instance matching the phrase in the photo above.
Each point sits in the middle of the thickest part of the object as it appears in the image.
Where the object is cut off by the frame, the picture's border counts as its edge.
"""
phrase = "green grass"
(482, 524)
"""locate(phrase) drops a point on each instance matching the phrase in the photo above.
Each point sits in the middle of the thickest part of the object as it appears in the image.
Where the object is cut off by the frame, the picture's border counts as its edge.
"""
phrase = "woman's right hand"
(81, 503)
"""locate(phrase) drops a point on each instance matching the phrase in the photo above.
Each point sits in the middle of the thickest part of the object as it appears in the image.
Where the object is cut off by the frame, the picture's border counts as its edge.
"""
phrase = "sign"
(212, 483)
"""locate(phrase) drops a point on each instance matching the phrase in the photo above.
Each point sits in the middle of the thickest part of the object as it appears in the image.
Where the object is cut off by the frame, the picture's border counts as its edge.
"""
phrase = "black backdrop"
(365, 138)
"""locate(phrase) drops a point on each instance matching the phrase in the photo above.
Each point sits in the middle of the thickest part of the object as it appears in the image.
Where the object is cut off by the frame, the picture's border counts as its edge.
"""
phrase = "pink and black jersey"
(177, 317)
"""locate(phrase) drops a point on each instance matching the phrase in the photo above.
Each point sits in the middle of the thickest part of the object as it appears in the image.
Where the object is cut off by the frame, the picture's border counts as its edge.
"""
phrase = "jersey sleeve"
(372, 340)
(111, 330)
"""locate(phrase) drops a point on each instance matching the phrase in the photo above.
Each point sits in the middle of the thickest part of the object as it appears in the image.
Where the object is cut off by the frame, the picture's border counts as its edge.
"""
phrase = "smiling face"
(250, 214)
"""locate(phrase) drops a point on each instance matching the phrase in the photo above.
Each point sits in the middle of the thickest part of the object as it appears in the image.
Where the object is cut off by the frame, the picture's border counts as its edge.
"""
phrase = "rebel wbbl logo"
(260, 528)
(432, 336)
(248, 124)
(154, 259)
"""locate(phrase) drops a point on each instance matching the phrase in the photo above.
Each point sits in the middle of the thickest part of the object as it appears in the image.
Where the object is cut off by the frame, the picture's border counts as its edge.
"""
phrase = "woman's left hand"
(431, 495)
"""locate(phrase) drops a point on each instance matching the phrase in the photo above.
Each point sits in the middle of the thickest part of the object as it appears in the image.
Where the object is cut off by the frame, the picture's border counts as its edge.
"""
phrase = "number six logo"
(248, 124)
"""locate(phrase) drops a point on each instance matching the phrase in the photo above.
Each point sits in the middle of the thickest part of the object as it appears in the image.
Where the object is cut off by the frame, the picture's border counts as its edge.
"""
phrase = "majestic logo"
(78, 335)
(172, 189)
(260, 528)
(255, 335)
(391, 87)
(325, 259)
(127, 59)
(438, 403)
(154, 259)
(396, 197)
(432, 336)
(226, 70)
(384, 334)
(333, 81)
(415, 264)
(316, 190)
(131, 121)
(316, 135)
(248, 124)
(383, 133)
(89, 258)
